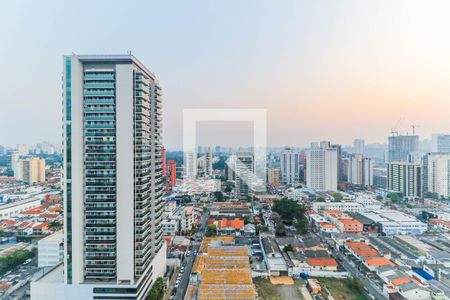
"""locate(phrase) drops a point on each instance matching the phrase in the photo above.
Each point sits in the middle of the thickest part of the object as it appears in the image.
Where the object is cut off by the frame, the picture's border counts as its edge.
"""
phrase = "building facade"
(406, 178)
(243, 175)
(322, 168)
(436, 174)
(289, 162)
(360, 170)
(112, 179)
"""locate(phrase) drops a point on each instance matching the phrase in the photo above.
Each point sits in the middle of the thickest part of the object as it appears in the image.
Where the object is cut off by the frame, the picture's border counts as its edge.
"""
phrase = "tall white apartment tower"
(290, 166)
(112, 179)
(360, 170)
(436, 174)
(322, 168)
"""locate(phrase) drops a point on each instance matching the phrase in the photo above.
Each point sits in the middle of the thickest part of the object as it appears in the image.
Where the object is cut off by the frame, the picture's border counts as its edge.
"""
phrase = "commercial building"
(322, 168)
(50, 250)
(290, 164)
(342, 206)
(243, 169)
(402, 146)
(393, 222)
(406, 178)
(112, 181)
(436, 174)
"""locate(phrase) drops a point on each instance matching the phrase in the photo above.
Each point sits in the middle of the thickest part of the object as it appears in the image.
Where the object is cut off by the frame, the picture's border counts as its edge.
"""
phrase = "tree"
(338, 196)
(228, 189)
(394, 197)
(302, 226)
(288, 248)
(261, 228)
(320, 199)
(11, 261)
(379, 197)
(218, 195)
(288, 208)
(157, 290)
(246, 219)
(280, 230)
(54, 224)
(275, 217)
(186, 199)
(211, 230)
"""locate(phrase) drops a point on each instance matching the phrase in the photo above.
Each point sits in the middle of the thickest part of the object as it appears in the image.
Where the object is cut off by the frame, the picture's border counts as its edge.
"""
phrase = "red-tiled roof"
(378, 261)
(321, 262)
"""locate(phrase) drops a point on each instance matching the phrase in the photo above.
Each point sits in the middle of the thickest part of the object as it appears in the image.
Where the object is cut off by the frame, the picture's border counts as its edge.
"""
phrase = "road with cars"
(188, 261)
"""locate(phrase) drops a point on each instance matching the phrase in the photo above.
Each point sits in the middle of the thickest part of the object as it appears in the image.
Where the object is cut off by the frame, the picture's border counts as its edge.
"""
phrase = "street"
(184, 281)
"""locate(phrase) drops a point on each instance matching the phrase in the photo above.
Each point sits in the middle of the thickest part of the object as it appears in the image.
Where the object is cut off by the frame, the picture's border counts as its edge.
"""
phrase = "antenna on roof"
(129, 52)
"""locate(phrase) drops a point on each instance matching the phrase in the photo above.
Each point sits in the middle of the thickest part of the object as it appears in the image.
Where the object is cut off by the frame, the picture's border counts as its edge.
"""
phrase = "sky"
(335, 70)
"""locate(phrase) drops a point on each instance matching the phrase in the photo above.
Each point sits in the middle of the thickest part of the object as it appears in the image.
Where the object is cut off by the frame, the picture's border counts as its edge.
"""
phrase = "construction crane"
(394, 130)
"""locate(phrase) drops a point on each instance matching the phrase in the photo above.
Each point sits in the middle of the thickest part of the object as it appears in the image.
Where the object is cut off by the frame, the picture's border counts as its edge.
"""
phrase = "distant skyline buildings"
(287, 41)
(358, 146)
(401, 147)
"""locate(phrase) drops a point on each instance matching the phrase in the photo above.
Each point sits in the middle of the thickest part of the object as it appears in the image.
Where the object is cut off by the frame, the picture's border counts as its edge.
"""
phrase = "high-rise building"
(358, 146)
(229, 172)
(436, 174)
(368, 171)
(443, 143)
(340, 167)
(190, 164)
(406, 178)
(15, 165)
(244, 169)
(290, 164)
(32, 170)
(2, 150)
(360, 170)
(401, 147)
(273, 176)
(322, 168)
(207, 167)
(112, 180)
(171, 174)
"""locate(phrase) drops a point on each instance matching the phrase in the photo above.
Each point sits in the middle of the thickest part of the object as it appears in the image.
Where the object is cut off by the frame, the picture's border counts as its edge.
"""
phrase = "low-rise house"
(319, 263)
(372, 263)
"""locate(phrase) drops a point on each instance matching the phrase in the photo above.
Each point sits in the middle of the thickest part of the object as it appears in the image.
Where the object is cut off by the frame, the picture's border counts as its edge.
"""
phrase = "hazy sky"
(334, 70)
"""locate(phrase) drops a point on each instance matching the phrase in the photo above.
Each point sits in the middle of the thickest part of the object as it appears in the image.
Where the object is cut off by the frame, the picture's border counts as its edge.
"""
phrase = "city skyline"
(294, 60)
